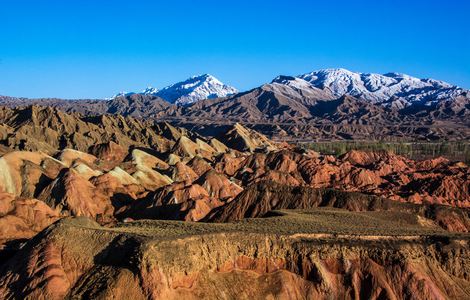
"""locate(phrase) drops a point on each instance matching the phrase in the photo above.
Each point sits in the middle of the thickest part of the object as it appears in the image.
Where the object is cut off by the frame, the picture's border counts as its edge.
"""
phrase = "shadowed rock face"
(366, 216)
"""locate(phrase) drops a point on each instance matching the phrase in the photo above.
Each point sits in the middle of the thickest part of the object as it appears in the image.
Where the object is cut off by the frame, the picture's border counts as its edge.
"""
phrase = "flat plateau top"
(319, 222)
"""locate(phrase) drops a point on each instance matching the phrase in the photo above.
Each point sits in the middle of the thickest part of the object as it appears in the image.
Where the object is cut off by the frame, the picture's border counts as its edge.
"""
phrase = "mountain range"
(391, 89)
(329, 103)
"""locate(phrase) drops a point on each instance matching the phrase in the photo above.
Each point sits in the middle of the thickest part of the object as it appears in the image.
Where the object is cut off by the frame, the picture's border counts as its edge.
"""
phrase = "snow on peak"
(150, 91)
(293, 82)
(381, 88)
(195, 88)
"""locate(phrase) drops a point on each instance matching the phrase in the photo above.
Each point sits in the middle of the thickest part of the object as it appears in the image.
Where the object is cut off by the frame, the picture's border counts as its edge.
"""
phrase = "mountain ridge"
(377, 87)
(390, 105)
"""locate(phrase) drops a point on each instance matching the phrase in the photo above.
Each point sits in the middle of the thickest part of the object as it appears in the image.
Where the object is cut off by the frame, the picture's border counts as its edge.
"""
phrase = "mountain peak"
(193, 89)
(196, 88)
(150, 91)
(203, 77)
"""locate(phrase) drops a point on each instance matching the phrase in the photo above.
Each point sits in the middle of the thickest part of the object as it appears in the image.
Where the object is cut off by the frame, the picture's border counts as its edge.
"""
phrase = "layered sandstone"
(140, 261)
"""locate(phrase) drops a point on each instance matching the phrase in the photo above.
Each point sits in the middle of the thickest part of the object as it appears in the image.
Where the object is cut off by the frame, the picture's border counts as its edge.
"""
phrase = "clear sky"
(93, 49)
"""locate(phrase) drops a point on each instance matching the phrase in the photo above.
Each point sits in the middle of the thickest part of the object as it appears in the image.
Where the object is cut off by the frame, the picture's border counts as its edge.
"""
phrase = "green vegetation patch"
(420, 150)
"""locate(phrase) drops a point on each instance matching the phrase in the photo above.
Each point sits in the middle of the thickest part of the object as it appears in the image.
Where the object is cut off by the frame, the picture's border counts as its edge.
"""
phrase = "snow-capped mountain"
(148, 91)
(376, 88)
(194, 89)
(191, 90)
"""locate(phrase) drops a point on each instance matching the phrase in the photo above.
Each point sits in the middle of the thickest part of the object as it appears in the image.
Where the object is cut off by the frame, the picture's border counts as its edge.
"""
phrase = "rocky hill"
(163, 260)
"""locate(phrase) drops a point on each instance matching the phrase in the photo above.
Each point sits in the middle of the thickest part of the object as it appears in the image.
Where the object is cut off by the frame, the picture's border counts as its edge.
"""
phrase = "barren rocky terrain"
(116, 207)
(343, 119)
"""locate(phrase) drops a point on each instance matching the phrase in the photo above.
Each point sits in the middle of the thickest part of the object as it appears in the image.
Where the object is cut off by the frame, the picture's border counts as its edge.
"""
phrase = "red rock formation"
(122, 262)
(181, 172)
(73, 195)
(218, 186)
(23, 218)
(109, 152)
(199, 165)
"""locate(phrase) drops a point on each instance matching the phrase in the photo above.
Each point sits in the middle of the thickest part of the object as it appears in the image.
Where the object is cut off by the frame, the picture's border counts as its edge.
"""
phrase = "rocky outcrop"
(47, 129)
(177, 201)
(219, 186)
(244, 139)
(150, 260)
(22, 218)
(24, 173)
(109, 152)
(183, 173)
(71, 194)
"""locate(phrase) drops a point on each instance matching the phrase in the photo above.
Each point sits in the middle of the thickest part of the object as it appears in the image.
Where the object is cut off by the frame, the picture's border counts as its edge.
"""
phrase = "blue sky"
(93, 49)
